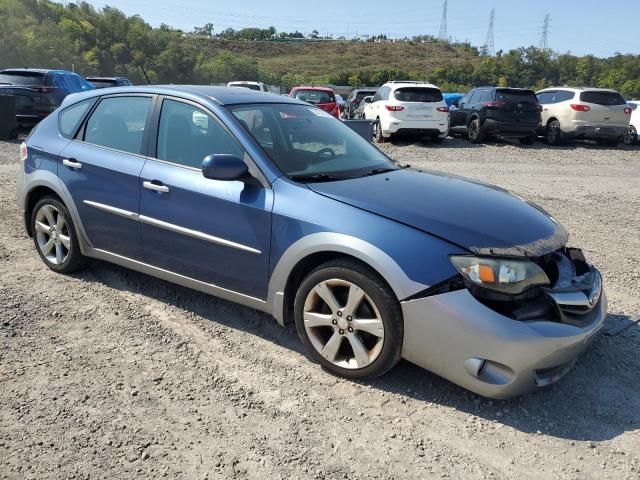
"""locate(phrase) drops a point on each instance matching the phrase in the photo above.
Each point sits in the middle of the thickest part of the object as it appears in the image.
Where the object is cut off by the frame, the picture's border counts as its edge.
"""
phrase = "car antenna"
(145, 74)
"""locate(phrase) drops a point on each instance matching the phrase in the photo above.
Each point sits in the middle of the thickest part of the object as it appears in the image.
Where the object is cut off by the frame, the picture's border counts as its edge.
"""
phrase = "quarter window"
(119, 123)
(70, 118)
(187, 135)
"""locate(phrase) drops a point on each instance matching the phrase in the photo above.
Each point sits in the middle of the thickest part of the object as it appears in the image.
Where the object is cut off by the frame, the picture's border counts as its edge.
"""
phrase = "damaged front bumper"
(471, 344)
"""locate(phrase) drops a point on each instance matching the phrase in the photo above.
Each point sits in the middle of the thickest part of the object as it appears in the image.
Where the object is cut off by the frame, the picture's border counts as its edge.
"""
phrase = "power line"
(544, 39)
(442, 35)
(489, 42)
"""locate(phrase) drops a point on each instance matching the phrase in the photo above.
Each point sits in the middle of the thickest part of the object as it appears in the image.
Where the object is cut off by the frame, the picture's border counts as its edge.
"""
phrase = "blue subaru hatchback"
(272, 203)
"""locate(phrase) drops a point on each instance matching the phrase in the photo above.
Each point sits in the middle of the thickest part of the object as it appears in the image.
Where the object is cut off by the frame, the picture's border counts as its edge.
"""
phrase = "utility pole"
(442, 35)
(489, 42)
(544, 39)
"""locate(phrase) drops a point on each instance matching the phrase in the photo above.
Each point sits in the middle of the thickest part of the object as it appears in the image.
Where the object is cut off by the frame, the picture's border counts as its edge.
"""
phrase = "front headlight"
(503, 275)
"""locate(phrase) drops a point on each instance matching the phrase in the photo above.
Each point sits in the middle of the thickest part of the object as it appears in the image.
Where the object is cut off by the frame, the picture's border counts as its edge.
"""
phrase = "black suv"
(355, 98)
(38, 91)
(503, 112)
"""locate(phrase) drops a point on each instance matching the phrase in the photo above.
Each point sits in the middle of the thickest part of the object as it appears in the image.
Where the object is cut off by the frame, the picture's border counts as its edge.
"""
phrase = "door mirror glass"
(456, 103)
(224, 166)
(368, 99)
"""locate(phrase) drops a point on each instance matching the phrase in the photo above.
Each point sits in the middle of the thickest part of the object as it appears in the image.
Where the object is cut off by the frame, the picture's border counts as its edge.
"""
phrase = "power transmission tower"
(544, 39)
(443, 24)
(489, 44)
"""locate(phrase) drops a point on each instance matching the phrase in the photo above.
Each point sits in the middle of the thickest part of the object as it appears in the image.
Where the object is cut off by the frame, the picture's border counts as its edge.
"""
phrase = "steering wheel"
(325, 151)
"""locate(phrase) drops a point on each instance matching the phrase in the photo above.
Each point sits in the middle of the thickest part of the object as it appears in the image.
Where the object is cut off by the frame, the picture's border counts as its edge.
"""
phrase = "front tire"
(349, 320)
(54, 236)
(377, 132)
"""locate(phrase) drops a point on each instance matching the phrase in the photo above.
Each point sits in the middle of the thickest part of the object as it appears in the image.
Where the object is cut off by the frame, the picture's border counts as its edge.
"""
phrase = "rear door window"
(70, 118)
(545, 97)
(602, 98)
(418, 94)
(119, 123)
(563, 96)
(21, 78)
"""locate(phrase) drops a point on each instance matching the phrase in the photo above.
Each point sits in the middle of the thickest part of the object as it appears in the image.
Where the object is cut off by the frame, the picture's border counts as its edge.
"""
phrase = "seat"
(178, 142)
(111, 131)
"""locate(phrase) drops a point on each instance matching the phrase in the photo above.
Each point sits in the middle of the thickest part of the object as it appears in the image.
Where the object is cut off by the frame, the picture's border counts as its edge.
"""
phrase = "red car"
(319, 96)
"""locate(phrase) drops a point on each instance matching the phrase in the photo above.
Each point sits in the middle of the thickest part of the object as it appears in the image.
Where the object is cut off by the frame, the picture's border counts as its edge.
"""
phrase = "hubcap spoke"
(65, 240)
(359, 351)
(330, 350)
(312, 319)
(47, 247)
(325, 293)
(353, 301)
(48, 212)
(59, 253)
(60, 222)
(41, 227)
(373, 326)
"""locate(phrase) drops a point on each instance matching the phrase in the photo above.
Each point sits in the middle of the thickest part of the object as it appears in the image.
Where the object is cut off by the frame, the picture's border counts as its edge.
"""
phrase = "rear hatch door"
(420, 103)
(605, 108)
(513, 105)
(32, 96)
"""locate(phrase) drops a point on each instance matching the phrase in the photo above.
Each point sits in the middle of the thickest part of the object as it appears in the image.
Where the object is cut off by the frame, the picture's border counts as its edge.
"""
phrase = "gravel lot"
(114, 374)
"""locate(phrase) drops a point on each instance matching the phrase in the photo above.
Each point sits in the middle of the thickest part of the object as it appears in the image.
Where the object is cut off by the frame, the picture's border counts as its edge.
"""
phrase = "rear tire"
(54, 236)
(349, 320)
(474, 131)
(631, 138)
(553, 135)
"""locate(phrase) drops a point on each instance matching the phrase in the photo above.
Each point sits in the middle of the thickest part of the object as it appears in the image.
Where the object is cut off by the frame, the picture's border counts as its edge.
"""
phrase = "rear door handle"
(71, 163)
(156, 186)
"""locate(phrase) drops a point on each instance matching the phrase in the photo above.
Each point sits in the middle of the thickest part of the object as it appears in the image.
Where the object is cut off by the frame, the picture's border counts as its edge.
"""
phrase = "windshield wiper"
(317, 177)
(378, 171)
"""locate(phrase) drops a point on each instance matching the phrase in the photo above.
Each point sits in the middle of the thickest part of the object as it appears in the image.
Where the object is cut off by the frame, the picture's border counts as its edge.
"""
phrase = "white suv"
(583, 113)
(632, 137)
(408, 107)
(257, 86)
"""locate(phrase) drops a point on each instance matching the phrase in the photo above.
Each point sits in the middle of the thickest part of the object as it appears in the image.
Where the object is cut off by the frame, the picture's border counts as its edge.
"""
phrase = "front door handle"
(156, 186)
(71, 163)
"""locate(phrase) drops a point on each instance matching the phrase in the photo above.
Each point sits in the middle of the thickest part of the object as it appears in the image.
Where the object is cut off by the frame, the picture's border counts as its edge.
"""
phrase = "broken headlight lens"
(503, 275)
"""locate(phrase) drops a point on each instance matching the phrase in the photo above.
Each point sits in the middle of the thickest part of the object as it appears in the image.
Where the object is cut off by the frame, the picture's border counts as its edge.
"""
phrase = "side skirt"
(172, 277)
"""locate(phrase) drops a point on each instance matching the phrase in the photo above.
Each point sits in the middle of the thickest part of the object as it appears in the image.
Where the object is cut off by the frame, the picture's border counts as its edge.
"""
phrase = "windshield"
(21, 78)
(418, 94)
(602, 98)
(516, 96)
(308, 144)
(314, 96)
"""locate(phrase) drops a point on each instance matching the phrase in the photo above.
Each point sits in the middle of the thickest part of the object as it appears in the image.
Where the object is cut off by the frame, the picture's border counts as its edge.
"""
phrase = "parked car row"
(39, 92)
(555, 114)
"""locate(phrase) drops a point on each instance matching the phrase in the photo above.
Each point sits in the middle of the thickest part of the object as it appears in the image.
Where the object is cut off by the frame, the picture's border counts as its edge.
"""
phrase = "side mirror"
(223, 166)
(456, 103)
(368, 100)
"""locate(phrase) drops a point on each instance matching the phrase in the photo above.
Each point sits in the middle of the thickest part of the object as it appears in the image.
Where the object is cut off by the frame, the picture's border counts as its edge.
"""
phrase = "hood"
(481, 218)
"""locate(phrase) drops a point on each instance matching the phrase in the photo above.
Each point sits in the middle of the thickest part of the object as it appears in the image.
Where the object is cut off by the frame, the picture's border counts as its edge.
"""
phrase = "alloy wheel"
(52, 234)
(631, 136)
(343, 324)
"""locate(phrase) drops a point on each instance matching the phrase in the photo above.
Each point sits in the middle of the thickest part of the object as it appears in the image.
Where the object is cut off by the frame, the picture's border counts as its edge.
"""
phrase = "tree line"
(41, 33)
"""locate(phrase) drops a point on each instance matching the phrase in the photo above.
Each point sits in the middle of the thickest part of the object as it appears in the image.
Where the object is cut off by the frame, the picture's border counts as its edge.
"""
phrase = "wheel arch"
(32, 197)
(313, 250)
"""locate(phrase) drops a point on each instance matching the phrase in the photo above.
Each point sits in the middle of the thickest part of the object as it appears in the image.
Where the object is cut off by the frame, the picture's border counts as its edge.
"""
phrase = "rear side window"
(602, 98)
(250, 86)
(119, 123)
(105, 83)
(21, 78)
(188, 134)
(418, 94)
(563, 96)
(70, 118)
(516, 96)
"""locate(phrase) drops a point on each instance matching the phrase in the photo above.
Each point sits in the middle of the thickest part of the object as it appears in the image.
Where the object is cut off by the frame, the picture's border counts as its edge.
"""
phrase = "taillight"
(443, 109)
(23, 152)
(495, 103)
(628, 110)
(394, 108)
(580, 108)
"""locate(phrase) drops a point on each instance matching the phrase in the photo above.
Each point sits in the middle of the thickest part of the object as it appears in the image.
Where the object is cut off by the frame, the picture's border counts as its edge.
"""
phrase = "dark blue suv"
(39, 92)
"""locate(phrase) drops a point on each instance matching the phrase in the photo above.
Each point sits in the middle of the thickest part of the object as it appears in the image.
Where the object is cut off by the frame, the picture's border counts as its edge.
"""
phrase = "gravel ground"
(113, 374)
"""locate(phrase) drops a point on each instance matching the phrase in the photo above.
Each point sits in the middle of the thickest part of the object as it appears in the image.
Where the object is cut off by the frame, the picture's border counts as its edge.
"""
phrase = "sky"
(579, 26)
